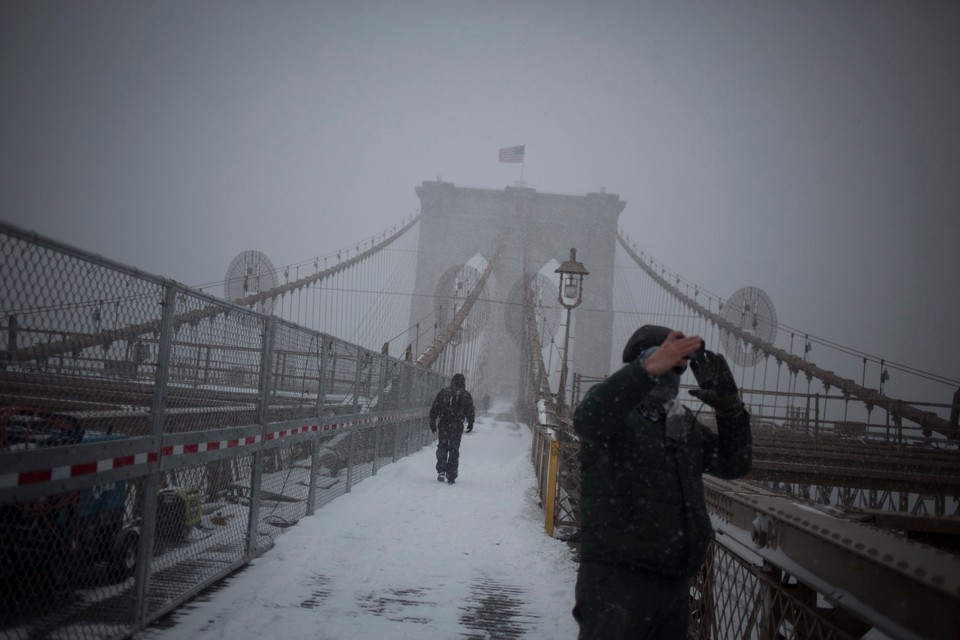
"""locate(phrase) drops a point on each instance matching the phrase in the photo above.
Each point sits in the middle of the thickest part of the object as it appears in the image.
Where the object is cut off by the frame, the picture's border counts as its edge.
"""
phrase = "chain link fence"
(734, 598)
(153, 439)
(737, 594)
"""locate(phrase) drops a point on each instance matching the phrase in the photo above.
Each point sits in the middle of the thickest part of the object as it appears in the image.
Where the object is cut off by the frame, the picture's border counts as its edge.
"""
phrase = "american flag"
(511, 154)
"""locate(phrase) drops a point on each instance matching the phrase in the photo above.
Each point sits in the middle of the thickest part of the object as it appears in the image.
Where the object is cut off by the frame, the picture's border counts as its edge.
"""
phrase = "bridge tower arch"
(534, 228)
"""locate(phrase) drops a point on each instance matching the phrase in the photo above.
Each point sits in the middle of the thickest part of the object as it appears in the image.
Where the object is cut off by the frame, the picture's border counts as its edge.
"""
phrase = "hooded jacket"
(452, 405)
(642, 498)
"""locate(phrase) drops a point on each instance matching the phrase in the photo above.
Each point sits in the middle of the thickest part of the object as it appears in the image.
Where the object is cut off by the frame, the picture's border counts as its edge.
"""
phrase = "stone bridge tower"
(461, 223)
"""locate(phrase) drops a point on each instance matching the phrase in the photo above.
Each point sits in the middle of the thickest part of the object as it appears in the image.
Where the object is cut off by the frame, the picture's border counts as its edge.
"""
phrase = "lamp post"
(570, 296)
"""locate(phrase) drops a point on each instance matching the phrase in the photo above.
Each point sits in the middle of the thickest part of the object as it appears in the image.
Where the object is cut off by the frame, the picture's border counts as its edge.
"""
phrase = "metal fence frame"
(754, 583)
(237, 423)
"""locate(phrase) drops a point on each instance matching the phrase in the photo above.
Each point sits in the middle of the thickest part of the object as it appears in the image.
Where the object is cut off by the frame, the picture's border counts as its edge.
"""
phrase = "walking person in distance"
(451, 406)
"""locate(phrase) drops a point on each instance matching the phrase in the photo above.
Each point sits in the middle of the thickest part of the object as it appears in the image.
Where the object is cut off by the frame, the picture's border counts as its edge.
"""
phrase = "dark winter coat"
(642, 500)
(452, 405)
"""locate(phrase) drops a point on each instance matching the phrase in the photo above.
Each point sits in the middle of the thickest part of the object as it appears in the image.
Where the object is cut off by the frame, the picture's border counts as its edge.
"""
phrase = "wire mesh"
(67, 561)
(198, 426)
(66, 320)
(215, 365)
(202, 518)
(732, 598)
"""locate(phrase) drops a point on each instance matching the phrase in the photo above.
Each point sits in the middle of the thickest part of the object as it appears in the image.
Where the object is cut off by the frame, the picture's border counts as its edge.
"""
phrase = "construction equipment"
(48, 544)
(178, 512)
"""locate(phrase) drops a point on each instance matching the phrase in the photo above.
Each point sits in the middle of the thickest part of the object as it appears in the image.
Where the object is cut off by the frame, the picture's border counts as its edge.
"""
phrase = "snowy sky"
(405, 557)
(811, 149)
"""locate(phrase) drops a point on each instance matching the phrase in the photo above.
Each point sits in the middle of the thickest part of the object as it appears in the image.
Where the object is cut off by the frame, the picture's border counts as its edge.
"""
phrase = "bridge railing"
(153, 438)
(782, 567)
(554, 450)
(732, 597)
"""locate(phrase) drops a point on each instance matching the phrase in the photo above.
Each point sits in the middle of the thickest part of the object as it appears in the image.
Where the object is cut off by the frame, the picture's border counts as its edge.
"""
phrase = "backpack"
(451, 406)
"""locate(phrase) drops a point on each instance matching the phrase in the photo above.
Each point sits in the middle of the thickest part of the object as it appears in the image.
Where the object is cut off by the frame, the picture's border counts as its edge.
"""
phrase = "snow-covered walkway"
(404, 556)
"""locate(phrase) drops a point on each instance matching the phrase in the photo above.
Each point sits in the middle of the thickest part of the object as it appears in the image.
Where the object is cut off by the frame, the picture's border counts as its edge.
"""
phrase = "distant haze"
(811, 149)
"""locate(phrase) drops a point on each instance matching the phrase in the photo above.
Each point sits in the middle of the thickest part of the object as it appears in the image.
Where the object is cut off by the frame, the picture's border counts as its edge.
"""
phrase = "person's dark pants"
(448, 451)
(616, 603)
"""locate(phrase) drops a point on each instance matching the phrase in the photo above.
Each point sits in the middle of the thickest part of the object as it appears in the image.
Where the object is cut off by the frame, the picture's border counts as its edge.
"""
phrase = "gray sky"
(811, 149)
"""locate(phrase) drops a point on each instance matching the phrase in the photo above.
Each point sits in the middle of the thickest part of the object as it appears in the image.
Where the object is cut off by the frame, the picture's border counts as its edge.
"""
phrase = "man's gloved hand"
(717, 386)
(469, 427)
(433, 426)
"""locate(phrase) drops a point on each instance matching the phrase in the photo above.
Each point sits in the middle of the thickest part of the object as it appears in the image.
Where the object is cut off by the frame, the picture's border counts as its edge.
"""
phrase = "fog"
(811, 149)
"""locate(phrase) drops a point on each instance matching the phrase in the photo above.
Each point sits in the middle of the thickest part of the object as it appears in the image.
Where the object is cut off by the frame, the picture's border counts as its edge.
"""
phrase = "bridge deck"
(403, 556)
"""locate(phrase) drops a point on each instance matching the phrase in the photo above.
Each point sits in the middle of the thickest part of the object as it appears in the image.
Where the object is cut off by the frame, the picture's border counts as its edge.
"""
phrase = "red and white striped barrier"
(50, 474)
(36, 476)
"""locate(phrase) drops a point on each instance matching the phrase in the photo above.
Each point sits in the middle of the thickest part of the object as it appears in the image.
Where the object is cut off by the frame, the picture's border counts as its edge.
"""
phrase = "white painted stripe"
(60, 473)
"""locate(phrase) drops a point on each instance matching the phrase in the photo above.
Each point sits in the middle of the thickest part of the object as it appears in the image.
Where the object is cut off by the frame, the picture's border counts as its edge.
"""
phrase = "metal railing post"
(350, 446)
(549, 500)
(148, 514)
(378, 429)
(418, 383)
(256, 477)
(315, 443)
(356, 379)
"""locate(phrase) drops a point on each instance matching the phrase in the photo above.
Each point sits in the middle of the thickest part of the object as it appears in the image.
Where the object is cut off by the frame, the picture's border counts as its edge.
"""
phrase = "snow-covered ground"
(404, 556)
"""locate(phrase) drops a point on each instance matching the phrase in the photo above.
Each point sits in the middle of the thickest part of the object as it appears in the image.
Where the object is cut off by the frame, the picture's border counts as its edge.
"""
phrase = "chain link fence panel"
(154, 439)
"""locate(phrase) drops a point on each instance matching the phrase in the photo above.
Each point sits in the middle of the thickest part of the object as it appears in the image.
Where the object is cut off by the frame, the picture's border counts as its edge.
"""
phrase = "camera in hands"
(699, 354)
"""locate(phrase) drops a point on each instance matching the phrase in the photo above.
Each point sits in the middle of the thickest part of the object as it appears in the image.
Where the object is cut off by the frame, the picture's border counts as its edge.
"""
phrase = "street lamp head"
(572, 287)
(571, 281)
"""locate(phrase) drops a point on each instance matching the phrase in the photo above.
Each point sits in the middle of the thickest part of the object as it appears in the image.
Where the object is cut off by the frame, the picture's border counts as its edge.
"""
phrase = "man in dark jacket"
(644, 522)
(450, 407)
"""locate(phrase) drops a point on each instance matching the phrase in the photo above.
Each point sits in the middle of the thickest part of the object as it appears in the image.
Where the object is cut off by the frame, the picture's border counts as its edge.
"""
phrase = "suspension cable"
(870, 397)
